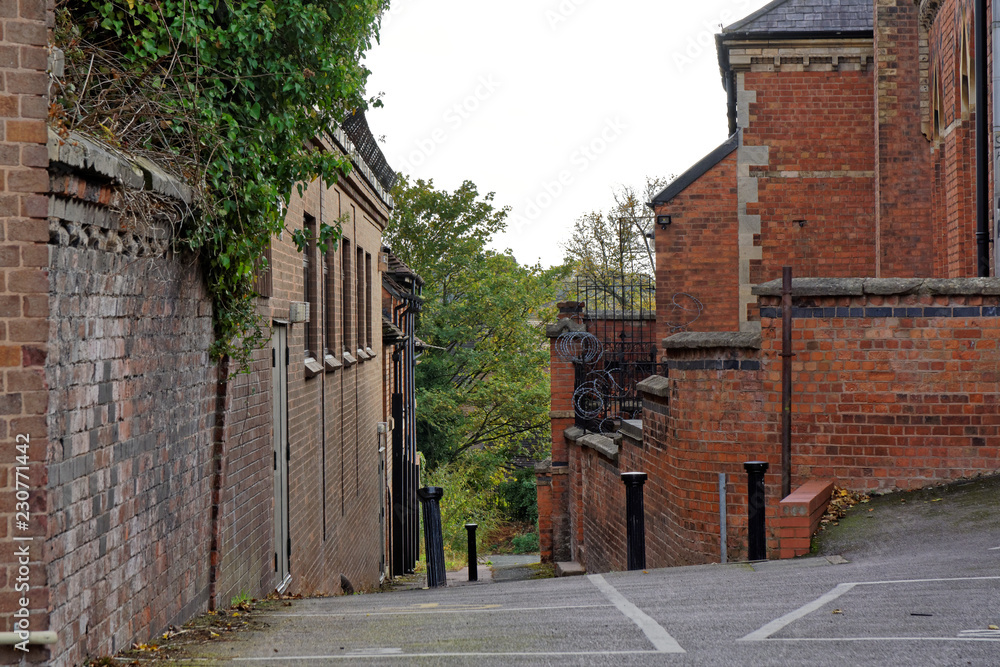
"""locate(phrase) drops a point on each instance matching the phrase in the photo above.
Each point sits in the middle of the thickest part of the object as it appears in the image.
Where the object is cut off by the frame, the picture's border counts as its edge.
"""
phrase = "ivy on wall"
(231, 96)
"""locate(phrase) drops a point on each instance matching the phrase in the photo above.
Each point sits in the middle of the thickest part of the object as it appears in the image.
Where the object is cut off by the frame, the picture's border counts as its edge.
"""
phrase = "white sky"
(551, 104)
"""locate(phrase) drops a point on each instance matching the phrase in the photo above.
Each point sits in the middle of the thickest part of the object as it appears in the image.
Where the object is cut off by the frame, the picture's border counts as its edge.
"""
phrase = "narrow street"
(909, 579)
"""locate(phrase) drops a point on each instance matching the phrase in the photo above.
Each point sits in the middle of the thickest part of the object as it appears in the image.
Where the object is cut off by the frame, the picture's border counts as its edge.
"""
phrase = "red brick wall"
(698, 253)
(818, 130)
(23, 303)
(903, 170)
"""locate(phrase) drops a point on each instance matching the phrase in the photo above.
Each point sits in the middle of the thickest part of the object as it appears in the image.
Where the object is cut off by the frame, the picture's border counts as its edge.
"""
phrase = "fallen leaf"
(993, 627)
(837, 611)
(936, 500)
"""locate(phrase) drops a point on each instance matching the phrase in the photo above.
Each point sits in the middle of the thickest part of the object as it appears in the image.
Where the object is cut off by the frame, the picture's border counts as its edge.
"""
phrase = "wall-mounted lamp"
(663, 221)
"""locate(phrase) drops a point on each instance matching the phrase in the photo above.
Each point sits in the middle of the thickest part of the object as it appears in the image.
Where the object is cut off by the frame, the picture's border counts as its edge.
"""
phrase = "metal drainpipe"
(995, 29)
(982, 146)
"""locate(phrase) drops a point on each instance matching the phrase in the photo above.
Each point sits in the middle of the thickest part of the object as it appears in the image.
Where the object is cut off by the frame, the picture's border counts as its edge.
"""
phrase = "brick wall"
(815, 195)
(903, 170)
(130, 424)
(334, 492)
(23, 302)
(698, 253)
(895, 386)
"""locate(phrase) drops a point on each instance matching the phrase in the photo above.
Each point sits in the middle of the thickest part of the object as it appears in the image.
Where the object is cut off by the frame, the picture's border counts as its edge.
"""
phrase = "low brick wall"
(896, 385)
(799, 515)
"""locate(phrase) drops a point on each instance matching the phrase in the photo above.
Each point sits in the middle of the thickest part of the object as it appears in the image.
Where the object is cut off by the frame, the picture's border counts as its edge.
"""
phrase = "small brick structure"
(799, 515)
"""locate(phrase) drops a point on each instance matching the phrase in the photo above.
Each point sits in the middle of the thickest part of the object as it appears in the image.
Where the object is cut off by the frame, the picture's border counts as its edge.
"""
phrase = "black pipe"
(756, 539)
(786, 381)
(982, 146)
(635, 520)
(473, 556)
(433, 536)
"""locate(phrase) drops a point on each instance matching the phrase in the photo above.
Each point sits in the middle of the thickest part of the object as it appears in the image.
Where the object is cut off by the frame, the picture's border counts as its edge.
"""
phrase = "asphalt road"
(909, 583)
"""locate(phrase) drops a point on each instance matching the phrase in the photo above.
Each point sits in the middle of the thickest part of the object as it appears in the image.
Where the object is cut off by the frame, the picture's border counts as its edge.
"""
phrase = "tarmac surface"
(914, 581)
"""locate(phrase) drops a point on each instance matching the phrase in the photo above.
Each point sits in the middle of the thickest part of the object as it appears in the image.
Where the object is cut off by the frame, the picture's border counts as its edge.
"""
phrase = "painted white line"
(919, 581)
(402, 612)
(382, 656)
(654, 632)
(994, 549)
(884, 639)
(779, 623)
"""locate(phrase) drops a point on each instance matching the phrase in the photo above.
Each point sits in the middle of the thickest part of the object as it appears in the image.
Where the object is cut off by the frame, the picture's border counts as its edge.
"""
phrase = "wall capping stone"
(632, 428)
(601, 444)
(563, 326)
(883, 286)
(656, 385)
(703, 340)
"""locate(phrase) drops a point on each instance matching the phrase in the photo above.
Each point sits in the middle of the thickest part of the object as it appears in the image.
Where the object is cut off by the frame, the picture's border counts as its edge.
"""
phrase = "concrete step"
(570, 569)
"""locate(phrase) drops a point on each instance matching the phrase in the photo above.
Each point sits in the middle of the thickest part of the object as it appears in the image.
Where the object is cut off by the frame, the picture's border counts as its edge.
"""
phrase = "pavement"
(914, 581)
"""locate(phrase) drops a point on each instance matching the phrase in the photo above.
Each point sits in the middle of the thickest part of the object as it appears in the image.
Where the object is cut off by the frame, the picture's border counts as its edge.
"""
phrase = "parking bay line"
(391, 653)
(792, 616)
(654, 632)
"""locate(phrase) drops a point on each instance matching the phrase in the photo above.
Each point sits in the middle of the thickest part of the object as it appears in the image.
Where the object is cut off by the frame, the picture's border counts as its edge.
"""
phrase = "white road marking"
(408, 612)
(358, 656)
(884, 639)
(994, 549)
(779, 623)
(980, 634)
(654, 632)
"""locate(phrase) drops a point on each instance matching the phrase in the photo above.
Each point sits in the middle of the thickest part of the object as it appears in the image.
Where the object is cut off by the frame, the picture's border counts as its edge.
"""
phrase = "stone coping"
(704, 340)
(606, 444)
(632, 428)
(657, 385)
(882, 286)
(87, 154)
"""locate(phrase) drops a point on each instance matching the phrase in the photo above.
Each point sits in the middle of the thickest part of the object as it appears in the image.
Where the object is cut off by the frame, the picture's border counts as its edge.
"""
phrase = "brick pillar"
(903, 170)
(553, 481)
(24, 309)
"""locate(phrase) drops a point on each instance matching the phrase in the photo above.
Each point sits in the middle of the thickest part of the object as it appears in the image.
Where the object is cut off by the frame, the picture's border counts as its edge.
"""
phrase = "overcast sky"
(551, 104)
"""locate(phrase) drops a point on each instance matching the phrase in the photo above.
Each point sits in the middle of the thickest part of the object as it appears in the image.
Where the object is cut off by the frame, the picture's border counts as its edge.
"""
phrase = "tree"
(613, 249)
(485, 381)
(231, 95)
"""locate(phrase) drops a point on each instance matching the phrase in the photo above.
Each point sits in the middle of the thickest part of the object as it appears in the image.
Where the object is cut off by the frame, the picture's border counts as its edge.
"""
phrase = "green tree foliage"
(231, 94)
(610, 249)
(485, 382)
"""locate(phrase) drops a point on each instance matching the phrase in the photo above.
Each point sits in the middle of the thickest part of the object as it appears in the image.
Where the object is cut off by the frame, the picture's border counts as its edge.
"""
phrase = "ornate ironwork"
(615, 352)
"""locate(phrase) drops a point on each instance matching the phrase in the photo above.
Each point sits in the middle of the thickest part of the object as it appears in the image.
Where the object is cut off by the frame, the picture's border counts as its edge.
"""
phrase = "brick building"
(144, 482)
(851, 158)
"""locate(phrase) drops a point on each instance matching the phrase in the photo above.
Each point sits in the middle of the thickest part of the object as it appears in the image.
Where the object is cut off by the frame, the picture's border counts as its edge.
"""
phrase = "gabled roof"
(806, 16)
(681, 183)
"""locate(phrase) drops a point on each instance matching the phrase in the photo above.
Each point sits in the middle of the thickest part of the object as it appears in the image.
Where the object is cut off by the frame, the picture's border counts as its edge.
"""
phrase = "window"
(310, 288)
(346, 281)
(262, 282)
(330, 310)
(368, 300)
(358, 302)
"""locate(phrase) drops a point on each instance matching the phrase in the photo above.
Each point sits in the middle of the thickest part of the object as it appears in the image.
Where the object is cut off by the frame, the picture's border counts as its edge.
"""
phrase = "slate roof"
(804, 16)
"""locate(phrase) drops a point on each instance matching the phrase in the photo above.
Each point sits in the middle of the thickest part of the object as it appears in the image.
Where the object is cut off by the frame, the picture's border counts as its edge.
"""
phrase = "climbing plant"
(234, 96)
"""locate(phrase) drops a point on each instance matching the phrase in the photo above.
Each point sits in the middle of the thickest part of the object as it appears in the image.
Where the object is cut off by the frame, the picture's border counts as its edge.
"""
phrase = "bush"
(526, 544)
(519, 497)
(469, 497)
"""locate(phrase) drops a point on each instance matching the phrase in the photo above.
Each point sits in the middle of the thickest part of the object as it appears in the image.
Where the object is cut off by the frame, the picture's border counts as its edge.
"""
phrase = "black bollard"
(433, 537)
(635, 520)
(473, 564)
(757, 540)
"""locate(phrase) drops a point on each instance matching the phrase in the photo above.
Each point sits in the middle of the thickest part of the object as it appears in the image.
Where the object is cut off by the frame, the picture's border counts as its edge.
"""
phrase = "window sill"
(348, 359)
(371, 352)
(313, 367)
(362, 355)
(331, 363)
